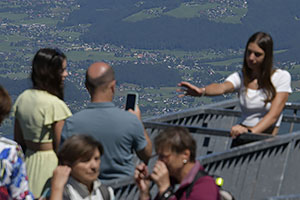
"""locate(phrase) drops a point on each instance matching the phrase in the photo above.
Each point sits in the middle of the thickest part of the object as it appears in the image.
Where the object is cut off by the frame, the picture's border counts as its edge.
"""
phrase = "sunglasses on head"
(58, 52)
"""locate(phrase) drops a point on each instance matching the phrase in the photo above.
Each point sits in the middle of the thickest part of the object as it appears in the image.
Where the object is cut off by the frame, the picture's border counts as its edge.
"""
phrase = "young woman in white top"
(262, 89)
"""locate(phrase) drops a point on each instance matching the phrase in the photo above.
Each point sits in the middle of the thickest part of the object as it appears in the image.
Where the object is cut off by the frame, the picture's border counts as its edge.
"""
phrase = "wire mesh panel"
(259, 170)
(285, 197)
(267, 169)
(291, 177)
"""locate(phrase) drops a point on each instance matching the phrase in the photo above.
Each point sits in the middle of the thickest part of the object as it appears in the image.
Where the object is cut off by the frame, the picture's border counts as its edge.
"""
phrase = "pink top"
(203, 189)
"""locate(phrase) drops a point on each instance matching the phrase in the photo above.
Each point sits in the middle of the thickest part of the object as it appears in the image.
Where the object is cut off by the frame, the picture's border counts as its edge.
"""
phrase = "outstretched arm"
(213, 89)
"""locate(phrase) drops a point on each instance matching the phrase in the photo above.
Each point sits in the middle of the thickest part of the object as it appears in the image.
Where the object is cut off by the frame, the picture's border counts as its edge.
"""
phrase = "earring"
(184, 161)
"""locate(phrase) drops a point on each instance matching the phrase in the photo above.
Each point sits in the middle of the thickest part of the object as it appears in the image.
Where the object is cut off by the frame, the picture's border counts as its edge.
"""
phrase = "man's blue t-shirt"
(120, 132)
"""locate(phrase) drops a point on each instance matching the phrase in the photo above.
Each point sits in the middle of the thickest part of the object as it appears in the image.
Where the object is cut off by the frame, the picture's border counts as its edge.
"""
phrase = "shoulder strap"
(104, 191)
(199, 174)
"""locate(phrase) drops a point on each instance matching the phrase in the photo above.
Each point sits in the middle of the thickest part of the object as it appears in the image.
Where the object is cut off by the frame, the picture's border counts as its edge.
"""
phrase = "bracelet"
(203, 92)
(167, 194)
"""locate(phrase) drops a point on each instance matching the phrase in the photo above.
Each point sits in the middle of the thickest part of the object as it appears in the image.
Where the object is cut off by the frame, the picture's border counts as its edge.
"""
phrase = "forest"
(190, 34)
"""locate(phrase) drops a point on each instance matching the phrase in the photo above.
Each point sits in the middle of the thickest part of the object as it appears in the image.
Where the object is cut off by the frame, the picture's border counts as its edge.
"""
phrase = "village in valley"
(26, 26)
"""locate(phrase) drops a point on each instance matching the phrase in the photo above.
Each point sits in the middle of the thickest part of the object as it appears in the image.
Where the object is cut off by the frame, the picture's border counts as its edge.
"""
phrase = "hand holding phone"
(131, 101)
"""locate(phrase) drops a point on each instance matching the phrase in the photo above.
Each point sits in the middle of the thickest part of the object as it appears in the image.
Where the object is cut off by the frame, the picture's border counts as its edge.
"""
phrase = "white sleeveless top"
(252, 101)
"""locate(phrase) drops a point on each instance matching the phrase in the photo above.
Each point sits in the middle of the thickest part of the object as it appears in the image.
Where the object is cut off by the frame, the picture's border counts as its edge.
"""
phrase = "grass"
(18, 19)
(280, 51)
(19, 75)
(296, 84)
(6, 40)
(144, 14)
(12, 16)
(224, 73)
(12, 38)
(226, 62)
(5, 46)
(70, 36)
(94, 56)
(205, 54)
(5, 5)
(190, 11)
(159, 95)
(47, 21)
(238, 13)
(166, 92)
(196, 10)
(295, 70)
(294, 97)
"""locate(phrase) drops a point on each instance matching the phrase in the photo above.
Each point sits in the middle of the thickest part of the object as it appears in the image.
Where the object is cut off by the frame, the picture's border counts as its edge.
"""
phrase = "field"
(95, 56)
(191, 10)
(226, 62)
(17, 48)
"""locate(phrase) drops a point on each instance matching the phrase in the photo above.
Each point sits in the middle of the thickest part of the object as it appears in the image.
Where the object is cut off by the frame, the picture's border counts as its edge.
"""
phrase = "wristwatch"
(167, 194)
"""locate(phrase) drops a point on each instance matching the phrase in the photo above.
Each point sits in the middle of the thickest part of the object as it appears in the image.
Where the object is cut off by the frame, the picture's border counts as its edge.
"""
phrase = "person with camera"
(121, 132)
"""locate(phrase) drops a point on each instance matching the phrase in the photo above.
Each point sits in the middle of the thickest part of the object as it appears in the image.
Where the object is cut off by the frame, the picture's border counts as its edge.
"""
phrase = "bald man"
(119, 131)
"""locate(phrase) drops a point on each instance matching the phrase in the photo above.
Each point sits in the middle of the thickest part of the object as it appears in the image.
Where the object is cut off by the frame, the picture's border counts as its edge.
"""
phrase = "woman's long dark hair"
(265, 42)
(47, 69)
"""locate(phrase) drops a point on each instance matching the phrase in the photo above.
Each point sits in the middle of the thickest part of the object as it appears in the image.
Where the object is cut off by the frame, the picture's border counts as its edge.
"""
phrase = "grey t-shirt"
(120, 132)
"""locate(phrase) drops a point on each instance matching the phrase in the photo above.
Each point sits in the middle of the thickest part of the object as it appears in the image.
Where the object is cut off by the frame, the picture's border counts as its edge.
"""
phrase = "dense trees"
(147, 75)
(164, 32)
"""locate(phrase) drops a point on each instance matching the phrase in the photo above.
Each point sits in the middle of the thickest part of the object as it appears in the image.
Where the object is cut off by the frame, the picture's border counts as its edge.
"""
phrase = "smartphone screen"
(130, 101)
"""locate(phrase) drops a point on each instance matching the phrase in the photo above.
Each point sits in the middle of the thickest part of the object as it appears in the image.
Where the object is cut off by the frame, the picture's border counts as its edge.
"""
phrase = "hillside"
(189, 25)
(151, 44)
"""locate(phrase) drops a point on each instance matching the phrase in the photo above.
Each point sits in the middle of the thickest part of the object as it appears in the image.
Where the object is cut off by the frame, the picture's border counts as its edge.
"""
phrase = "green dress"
(36, 111)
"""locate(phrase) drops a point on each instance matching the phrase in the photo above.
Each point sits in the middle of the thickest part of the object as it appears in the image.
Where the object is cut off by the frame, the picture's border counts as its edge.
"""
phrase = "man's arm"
(145, 153)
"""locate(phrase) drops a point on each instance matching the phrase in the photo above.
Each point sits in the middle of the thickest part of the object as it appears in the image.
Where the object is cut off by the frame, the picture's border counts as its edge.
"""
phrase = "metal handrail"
(254, 146)
(209, 131)
(216, 108)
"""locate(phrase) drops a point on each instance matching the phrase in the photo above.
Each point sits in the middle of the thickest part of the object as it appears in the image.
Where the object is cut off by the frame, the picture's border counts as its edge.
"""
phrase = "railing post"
(292, 124)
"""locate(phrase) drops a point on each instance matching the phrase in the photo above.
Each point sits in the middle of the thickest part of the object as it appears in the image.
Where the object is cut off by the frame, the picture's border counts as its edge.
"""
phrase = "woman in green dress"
(39, 116)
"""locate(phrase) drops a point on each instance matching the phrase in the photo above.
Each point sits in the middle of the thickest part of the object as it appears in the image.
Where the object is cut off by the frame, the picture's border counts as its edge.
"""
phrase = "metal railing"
(222, 115)
(285, 197)
(261, 169)
(266, 168)
(258, 170)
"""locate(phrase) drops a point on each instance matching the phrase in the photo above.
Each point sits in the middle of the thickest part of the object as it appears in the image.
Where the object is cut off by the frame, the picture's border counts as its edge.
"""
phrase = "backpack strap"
(104, 191)
(199, 174)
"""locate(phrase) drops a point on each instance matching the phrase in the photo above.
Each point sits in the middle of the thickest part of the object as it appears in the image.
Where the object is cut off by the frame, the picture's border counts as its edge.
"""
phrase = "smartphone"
(131, 101)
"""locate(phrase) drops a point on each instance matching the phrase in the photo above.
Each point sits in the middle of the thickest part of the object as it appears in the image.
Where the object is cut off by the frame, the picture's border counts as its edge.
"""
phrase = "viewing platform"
(253, 166)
